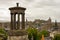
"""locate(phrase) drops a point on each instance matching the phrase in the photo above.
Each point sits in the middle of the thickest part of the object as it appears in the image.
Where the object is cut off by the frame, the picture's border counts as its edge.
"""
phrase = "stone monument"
(17, 11)
(15, 33)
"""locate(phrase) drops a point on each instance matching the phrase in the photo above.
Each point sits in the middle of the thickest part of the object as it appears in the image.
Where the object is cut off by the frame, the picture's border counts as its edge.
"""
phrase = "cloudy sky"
(36, 9)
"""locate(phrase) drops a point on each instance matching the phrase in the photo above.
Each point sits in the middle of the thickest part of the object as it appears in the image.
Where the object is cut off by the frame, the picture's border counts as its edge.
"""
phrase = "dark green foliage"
(57, 37)
(45, 33)
(3, 34)
(29, 30)
(33, 32)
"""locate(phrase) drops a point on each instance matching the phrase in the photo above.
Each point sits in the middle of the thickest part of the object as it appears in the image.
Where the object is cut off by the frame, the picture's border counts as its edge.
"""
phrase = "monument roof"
(17, 8)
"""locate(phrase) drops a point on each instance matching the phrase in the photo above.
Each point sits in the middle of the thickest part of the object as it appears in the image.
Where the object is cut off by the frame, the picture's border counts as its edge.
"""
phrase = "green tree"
(35, 34)
(40, 33)
(29, 31)
(3, 33)
(57, 37)
(38, 36)
(45, 33)
(32, 33)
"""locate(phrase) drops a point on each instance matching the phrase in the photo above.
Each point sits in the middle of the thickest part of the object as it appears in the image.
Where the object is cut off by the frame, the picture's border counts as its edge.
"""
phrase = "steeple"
(49, 19)
(56, 23)
(55, 26)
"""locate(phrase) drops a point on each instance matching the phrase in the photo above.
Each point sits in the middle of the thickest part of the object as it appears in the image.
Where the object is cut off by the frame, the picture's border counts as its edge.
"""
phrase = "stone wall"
(25, 37)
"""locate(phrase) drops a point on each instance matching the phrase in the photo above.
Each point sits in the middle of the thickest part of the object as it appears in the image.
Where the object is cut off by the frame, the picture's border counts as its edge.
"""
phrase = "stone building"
(42, 24)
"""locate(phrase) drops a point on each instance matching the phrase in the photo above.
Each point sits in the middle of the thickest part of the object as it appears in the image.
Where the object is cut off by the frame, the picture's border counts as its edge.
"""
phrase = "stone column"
(18, 24)
(23, 20)
(11, 21)
(15, 21)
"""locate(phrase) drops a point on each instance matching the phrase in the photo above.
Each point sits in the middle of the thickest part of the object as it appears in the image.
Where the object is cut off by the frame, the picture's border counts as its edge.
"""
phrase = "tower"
(15, 33)
(49, 24)
(49, 20)
(56, 25)
(17, 11)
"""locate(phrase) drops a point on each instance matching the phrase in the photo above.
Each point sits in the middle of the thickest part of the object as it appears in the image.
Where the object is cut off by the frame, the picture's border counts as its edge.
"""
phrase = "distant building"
(42, 24)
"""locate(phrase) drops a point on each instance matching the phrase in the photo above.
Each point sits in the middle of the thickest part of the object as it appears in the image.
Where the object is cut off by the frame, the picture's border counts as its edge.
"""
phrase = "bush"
(45, 33)
(57, 37)
(33, 32)
(3, 34)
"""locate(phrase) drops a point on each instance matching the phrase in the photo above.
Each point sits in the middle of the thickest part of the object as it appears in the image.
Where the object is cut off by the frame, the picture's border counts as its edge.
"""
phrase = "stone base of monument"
(17, 35)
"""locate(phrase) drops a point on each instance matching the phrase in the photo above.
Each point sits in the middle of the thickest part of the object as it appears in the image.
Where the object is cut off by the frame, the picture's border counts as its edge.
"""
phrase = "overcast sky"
(36, 9)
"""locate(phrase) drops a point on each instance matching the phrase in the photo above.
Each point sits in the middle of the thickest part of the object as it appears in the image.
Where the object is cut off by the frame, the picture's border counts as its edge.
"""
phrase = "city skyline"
(36, 9)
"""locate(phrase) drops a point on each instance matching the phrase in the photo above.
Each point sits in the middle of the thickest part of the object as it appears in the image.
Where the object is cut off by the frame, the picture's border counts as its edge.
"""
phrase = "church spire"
(49, 19)
(56, 26)
(56, 23)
